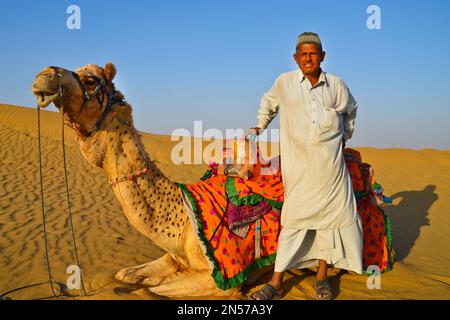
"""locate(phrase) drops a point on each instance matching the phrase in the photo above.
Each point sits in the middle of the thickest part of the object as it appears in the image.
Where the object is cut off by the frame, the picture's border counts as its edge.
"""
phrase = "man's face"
(309, 57)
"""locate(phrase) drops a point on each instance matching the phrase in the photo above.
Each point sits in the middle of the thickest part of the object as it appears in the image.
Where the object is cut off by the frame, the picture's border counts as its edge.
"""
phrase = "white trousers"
(341, 248)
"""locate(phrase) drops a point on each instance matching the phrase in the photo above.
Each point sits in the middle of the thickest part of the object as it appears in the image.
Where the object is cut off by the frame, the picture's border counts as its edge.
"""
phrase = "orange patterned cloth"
(233, 257)
(377, 243)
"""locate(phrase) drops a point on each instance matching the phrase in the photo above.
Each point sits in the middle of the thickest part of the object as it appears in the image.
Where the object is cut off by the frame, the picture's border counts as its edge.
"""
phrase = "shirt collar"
(322, 78)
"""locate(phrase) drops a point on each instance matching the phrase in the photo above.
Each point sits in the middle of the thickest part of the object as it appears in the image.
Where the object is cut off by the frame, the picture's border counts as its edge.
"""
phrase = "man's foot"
(268, 292)
(323, 290)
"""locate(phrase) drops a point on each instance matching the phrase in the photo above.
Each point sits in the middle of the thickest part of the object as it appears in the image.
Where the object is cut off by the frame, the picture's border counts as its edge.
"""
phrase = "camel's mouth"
(45, 98)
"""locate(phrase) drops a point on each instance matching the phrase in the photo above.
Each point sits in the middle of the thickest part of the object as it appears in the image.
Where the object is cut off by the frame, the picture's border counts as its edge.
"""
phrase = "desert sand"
(417, 180)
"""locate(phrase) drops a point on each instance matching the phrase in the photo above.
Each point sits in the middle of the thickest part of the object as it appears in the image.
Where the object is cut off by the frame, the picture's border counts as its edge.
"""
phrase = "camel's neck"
(151, 202)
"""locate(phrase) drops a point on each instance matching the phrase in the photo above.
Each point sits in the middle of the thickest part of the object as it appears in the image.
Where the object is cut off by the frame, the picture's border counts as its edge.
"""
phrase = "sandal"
(323, 290)
(268, 292)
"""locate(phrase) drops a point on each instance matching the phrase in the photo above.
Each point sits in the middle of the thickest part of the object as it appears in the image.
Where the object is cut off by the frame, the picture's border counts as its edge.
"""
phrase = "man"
(320, 222)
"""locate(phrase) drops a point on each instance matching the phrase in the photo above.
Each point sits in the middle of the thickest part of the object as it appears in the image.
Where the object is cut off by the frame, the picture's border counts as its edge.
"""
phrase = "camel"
(152, 203)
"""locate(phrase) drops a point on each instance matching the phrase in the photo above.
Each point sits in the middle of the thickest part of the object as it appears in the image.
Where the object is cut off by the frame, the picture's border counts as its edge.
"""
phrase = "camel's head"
(81, 95)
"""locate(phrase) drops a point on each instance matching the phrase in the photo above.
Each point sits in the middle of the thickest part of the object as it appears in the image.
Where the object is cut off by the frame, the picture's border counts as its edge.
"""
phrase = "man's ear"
(295, 57)
(323, 56)
(110, 71)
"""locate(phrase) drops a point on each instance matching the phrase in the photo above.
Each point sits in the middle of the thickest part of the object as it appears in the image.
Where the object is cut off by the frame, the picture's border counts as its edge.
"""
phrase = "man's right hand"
(251, 133)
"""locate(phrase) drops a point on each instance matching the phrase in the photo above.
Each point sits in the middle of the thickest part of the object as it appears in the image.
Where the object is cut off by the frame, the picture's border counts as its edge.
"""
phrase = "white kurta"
(314, 121)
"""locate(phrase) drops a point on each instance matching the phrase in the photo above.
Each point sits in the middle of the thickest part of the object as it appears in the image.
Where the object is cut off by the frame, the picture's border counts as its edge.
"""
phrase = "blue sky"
(180, 61)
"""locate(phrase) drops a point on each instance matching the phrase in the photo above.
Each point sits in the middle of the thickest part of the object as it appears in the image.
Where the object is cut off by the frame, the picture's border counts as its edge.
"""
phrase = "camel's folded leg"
(191, 284)
(150, 274)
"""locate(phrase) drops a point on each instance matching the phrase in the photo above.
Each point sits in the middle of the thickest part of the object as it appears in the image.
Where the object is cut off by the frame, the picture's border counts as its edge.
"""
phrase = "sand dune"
(418, 181)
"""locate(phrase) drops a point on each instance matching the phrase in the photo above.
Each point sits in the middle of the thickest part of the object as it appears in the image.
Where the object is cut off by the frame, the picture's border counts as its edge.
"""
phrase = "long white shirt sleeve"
(346, 104)
(268, 107)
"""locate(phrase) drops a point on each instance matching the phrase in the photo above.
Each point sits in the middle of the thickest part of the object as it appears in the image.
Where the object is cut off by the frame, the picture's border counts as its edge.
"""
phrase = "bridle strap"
(86, 97)
(107, 110)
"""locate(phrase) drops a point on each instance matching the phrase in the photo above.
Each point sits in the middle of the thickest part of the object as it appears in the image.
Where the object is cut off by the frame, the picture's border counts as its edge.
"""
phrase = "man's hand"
(251, 133)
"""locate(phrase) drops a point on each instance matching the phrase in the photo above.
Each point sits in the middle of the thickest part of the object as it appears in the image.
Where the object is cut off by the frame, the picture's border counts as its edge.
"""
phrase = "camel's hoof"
(145, 274)
(129, 275)
(149, 274)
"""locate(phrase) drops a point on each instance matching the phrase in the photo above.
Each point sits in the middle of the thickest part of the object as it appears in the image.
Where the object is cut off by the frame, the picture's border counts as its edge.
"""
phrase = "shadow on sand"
(408, 217)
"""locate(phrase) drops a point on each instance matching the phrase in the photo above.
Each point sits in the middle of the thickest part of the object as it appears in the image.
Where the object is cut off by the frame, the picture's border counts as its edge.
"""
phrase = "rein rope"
(47, 259)
(68, 202)
(50, 278)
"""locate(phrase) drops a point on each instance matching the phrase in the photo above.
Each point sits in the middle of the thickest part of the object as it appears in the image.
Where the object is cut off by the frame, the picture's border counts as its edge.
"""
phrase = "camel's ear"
(110, 71)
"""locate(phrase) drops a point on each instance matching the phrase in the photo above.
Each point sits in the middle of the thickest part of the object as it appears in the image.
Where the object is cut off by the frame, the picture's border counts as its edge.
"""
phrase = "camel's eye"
(90, 82)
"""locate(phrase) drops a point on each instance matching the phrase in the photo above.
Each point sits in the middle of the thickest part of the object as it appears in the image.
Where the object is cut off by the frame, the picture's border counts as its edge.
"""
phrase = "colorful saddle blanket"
(232, 255)
(226, 207)
(377, 241)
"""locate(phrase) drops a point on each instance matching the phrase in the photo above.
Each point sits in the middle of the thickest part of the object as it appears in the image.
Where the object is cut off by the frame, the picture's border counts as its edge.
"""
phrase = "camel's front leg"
(192, 284)
(150, 274)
